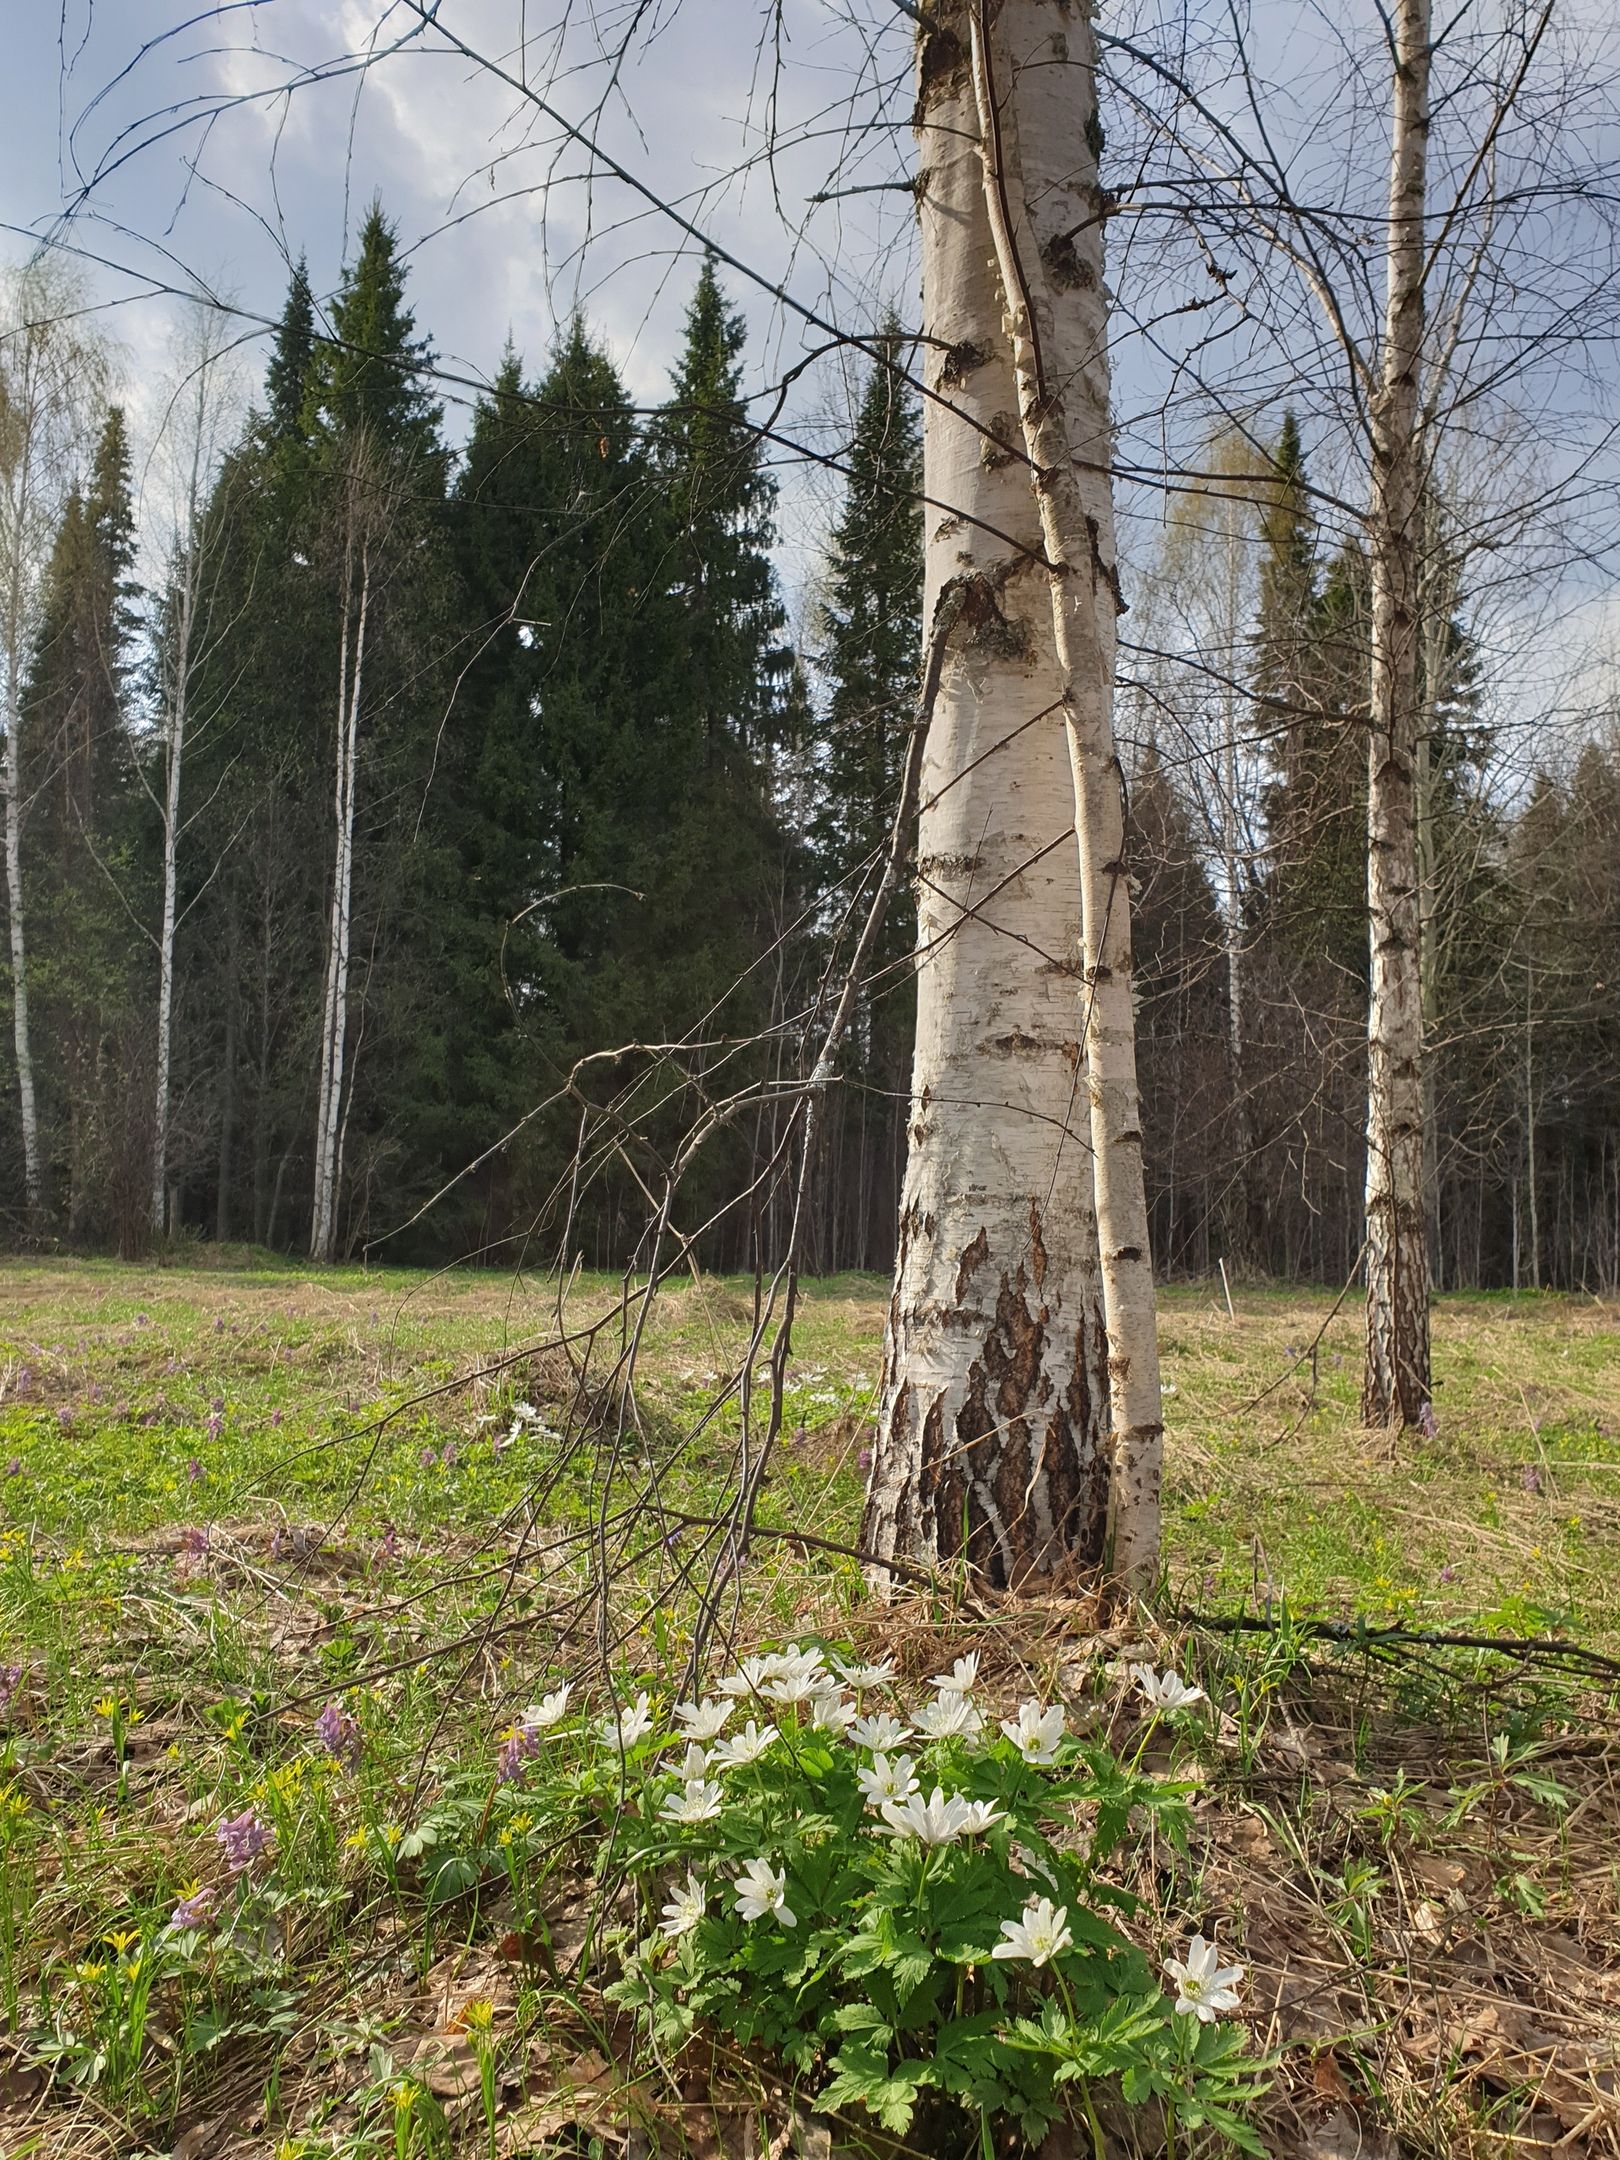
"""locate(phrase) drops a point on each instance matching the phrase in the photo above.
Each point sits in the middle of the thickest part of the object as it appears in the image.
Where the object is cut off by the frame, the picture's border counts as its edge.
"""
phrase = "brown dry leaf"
(1329, 2079)
(588, 2095)
(1438, 1874)
(1344, 2137)
(1429, 1921)
(448, 2067)
(20, 2085)
(1514, 2051)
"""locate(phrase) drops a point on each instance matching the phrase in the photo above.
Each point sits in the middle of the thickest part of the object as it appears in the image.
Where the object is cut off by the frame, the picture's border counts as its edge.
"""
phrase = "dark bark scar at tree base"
(1037, 1247)
(973, 1256)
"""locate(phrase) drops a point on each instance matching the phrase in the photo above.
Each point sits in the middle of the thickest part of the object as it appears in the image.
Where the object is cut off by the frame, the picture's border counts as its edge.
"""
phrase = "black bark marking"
(973, 1256)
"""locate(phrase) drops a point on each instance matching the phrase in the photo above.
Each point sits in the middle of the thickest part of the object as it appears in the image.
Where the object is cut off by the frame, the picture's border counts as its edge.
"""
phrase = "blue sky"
(159, 124)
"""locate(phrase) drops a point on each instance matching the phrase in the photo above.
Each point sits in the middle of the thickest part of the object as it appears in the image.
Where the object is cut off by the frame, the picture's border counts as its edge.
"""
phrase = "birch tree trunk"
(49, 377)
(335, 1014)
(993, 1420)
(22, 1036)
(1033, 70)
(1396, 1383)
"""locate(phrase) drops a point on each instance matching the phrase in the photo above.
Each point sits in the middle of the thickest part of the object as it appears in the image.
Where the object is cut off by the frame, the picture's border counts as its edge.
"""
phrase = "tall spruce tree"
(379, 468)
(84, 844)
(871, 643)
(721, 502)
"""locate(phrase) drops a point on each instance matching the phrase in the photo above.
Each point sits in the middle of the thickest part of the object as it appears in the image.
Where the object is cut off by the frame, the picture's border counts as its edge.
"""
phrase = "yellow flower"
(478, 2015)
(122, 1942)
(355, 1841)
(391, 1833)
(107, 1706)
(403, 2095)
(91, 1971)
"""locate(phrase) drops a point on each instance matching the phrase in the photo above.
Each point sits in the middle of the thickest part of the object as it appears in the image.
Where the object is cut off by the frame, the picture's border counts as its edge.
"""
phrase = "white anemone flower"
(548, 1711)
(1037, 1732)
(887, 1780)
(1040, 1933)
(699, 1800)
(1167, 1690)
(704, 1720)
(865, 1676)
(744, 1747)
(1204, 1986)
(685, 1908)
(829, 1712)
(696, 1764)
(936, 1820)
(949, 1713)
(880, 1732)
(761, 1890)
(630, 1725)
(961, 1677)
(980, 1815)
(751, 1676)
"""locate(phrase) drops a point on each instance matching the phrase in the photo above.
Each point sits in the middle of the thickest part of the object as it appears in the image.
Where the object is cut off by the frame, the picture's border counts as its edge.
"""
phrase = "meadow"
(284, 1554)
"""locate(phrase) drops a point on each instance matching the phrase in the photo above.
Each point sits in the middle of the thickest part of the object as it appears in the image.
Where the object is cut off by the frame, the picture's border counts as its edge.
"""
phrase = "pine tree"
(871, 642)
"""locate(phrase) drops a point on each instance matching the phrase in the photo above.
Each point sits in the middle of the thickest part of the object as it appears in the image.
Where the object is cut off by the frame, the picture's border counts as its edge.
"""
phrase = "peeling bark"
(1034, 76)
(992, 1443)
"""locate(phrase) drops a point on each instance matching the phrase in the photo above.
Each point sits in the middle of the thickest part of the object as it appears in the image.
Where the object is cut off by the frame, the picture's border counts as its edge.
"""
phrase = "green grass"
(231, 1496)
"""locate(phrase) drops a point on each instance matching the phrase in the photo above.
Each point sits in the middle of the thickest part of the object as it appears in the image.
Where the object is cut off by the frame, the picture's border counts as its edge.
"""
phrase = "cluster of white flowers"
(826, 1696)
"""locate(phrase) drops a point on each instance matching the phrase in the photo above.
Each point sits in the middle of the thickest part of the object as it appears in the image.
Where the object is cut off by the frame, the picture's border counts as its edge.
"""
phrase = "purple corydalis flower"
(389, 1548)
(196, 1910)
(521, 1745)
(275, 1417)
(195, 1473)
(338, 1734)
(1426, 1424)
(242, 1839)
(1531, 1478)
(11, 1679)
(219, 1327)
(1448, 1574)
(64, 1417)
(216, 1425)
(864, 1458)
(196, 1540)
(14, 1466)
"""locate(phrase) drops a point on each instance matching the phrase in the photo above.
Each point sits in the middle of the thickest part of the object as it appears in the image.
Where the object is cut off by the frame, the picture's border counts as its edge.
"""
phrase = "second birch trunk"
(1396, 1381)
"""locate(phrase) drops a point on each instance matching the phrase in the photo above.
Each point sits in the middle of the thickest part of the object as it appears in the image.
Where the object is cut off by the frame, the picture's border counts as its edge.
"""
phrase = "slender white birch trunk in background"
(1396, 1384)
(335, 1015)
(50, 376)
(1033, 72)
(178, 687)
(992, 1431)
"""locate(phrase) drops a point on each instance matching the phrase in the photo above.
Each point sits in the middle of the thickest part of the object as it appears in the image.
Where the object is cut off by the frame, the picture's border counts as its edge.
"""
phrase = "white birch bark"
(174, 746)
(49, 376)
(1033, 69)
(1396, 1384)
(992, 1431)
(334, 1031)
